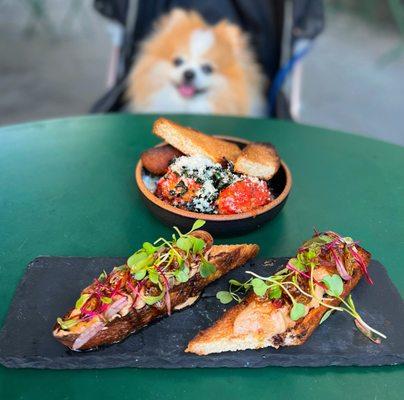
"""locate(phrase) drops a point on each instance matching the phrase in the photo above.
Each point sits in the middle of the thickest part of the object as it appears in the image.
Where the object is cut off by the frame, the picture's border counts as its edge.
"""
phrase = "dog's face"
(190, 55)
(193, 70)
(187, 65)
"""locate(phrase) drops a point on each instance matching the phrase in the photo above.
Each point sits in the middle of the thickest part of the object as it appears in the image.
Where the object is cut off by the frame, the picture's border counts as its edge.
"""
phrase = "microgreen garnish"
(340, 266)
(224, 297)
(298, 311)
(199, 223)
(184, 243)
(141, 274)
(325, 316)
(296, 281)
(207, 269)
(149, 248)
(147, 276)
(334, 285)
(150, 300)
(106, 300)
(259, 287)
(198, 245)
(82, 300)
(182, 274)
(68, 323)
(102, 276)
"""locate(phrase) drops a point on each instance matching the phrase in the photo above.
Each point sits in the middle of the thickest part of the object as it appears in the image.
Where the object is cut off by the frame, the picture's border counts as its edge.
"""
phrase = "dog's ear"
(178, 17)
(232, 34)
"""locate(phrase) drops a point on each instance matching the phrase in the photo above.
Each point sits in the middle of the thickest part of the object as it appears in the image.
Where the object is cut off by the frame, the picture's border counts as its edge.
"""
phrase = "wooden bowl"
(222, 225)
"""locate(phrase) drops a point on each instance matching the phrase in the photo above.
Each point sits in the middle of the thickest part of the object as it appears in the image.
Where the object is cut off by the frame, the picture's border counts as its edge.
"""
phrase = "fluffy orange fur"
(244, 83)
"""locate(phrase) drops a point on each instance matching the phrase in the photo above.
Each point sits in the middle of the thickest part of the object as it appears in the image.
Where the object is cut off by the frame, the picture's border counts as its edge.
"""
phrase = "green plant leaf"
(325, 316)
(102, 276)
(197, 245)
(140, 274)
(82, 300)
(235, 282)
(334, 284)
(311, 253)
(150, 300)
(348, 240)
(297, 263)
(154, 276)
(206, 269)
(106, 300)
(298, 311)
(317, 241)
(180, 260)
(149, 248)
(259, 287)
(224, 297)
(184, 243)
(140, 262)
(182, 275)
(67, 324)
(275, 292)
(135, 258)
(199, 223)
(350, 302)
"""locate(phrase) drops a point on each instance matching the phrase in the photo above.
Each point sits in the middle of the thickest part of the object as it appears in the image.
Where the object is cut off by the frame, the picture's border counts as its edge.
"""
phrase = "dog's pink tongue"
(186, 90)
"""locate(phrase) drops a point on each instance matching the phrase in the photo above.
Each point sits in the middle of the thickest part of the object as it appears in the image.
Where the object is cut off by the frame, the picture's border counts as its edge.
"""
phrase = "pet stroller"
(280, 33)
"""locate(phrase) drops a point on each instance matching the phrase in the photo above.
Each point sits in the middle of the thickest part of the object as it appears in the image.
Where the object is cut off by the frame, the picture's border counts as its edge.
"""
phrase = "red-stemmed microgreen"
(309, 256)
(163, 263)
(340, 265)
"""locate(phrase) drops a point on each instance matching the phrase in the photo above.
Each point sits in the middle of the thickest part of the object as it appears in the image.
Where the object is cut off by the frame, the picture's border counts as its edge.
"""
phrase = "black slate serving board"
(51, 285)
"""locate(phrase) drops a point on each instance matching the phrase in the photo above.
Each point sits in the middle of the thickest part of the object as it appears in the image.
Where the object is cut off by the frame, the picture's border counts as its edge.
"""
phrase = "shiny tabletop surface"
(67, 188)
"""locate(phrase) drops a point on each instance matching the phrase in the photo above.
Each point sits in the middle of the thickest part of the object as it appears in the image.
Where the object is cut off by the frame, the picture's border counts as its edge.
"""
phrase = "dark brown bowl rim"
(214, 217)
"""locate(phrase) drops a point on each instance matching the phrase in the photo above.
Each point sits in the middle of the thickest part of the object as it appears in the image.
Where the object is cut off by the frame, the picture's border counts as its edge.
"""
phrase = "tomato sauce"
(243, 196)
(175, 189)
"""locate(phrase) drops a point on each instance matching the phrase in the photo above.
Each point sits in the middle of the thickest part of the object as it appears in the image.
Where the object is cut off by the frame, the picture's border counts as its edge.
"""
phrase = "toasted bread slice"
(99, 333)
(230, 256)
(258, 159)
(194, 143)
(257, 323)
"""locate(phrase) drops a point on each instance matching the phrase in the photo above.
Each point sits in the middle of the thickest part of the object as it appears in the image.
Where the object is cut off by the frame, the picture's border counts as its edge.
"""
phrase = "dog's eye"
(207, 68)
(178, 61)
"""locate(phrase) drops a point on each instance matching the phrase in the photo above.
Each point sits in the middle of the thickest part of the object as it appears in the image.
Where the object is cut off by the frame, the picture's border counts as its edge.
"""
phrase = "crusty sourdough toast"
(258, 159)
(124, 316)
(192, 142)
(259, 322)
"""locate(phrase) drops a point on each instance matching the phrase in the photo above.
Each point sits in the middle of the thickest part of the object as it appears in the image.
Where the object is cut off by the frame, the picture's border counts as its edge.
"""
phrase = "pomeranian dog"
(188, 66)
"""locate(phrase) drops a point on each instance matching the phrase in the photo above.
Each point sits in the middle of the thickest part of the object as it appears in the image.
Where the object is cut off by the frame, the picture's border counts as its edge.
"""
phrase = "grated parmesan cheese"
(194, 163)
(211, 178)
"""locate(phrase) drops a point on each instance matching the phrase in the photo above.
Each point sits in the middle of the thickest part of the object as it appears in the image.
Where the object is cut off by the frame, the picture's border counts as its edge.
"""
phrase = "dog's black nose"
(189, 75)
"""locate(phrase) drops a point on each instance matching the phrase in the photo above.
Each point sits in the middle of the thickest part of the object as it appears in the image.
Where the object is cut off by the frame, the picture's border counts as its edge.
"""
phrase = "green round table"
(67, 188)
